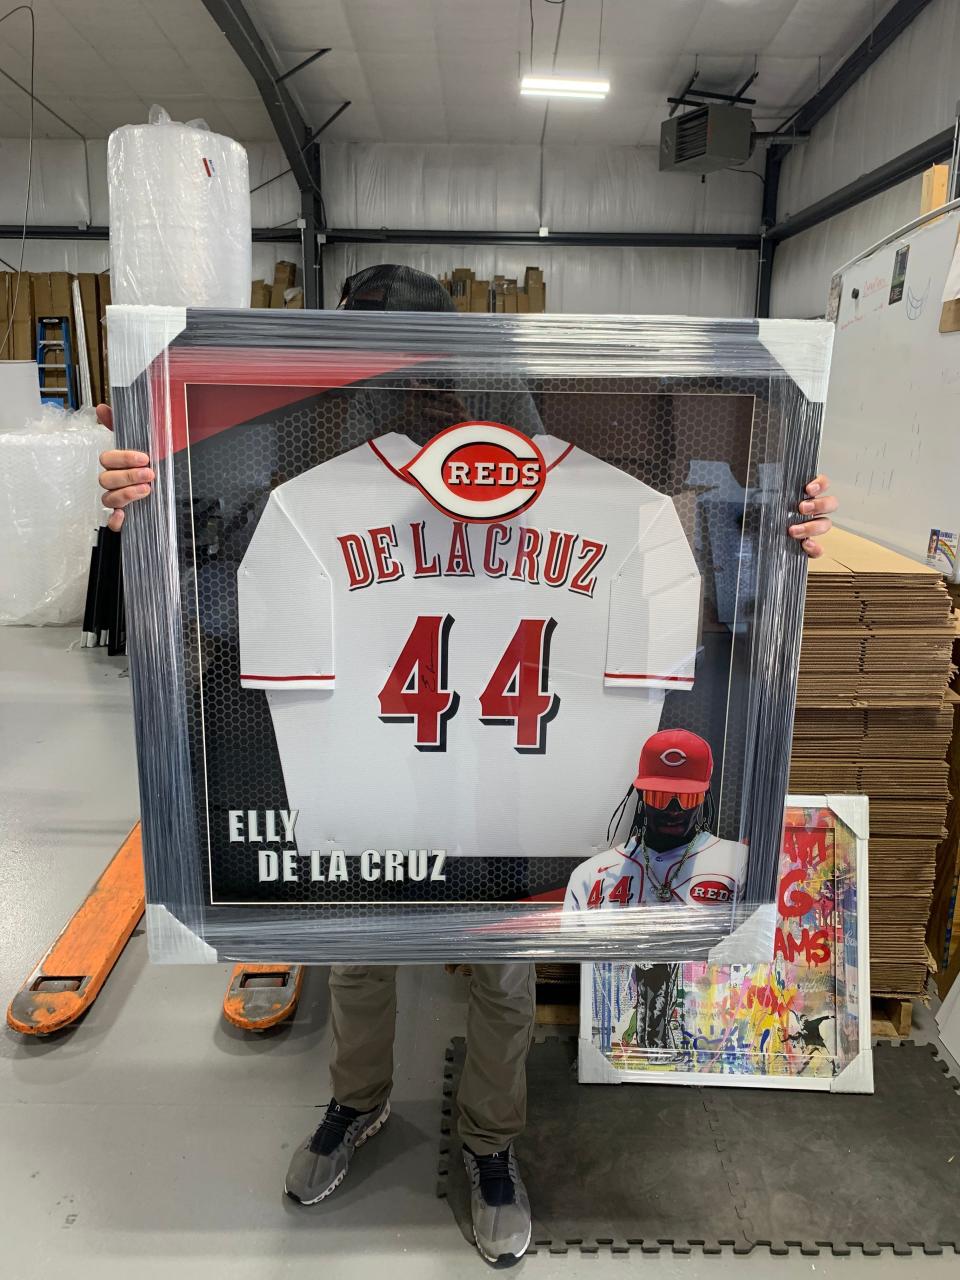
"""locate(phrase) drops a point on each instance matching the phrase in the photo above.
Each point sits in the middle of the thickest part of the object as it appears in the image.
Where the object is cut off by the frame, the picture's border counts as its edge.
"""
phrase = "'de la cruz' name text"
(263, 828)
(522, 553)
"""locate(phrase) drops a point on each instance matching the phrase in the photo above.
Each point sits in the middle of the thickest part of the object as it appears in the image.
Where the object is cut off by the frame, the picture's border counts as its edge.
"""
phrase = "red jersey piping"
(556, 462)
(243, 676)
(644, 675)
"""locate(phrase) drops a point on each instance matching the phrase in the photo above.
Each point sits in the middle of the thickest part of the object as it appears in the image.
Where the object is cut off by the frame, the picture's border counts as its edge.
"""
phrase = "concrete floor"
(152, 1138)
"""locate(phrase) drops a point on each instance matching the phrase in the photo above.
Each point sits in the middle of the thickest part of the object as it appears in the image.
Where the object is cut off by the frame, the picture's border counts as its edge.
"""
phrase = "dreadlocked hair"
(706, 821)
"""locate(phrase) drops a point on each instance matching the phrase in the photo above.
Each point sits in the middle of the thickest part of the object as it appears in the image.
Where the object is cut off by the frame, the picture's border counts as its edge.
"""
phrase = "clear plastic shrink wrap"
(464, 637)
(179, 215)
(49, 513)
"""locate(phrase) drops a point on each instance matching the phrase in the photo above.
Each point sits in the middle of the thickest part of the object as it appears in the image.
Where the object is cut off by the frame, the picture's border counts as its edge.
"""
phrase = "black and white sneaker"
(499, 1206)
(320, 1163)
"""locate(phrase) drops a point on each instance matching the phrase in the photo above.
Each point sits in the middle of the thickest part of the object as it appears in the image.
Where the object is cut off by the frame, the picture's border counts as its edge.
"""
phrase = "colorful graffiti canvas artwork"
(801, 1021)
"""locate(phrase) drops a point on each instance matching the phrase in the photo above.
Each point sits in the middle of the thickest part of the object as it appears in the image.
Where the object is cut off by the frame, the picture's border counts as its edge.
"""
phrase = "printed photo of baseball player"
(671, 854)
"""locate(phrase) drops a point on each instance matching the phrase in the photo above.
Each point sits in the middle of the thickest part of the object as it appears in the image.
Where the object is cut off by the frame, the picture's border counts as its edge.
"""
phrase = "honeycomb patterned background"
(698, 446)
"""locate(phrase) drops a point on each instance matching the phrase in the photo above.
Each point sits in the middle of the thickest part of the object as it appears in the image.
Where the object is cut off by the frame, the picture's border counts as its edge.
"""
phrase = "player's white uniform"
(710, 876)
(596, 575)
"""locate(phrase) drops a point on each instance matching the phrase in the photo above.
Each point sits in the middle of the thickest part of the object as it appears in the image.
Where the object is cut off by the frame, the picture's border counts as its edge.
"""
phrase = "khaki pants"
(500, 1021)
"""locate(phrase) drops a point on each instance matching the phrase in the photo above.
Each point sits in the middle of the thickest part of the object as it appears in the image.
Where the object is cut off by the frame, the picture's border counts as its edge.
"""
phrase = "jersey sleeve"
(285, 607)
(654, 620)
(574, 898)
(578, 886)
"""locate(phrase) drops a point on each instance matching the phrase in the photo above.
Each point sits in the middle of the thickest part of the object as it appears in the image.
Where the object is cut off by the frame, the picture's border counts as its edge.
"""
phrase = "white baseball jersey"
(481, 688)
(710, 876)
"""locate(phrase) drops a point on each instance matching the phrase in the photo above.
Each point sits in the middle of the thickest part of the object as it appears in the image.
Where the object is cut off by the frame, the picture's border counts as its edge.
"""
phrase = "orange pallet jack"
(68, 979)
(70, 976)
(262, 995)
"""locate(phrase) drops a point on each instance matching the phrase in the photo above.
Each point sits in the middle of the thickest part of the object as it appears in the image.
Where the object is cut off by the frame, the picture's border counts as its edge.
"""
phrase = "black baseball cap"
(390, 287)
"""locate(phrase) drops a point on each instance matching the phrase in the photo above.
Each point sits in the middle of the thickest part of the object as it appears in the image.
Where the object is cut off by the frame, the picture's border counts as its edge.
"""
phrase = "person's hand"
(816, 502)
(126, 476)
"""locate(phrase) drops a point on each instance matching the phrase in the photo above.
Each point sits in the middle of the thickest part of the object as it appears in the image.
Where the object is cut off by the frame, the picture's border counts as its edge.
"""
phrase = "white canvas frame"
(855, 1077)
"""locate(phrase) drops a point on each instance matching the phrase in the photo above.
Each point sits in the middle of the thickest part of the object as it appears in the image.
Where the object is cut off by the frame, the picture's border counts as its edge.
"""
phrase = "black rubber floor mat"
(652, 1167)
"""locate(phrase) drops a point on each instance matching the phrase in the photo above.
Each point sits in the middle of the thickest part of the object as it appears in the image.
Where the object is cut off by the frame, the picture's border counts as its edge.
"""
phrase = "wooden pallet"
(892, 1017)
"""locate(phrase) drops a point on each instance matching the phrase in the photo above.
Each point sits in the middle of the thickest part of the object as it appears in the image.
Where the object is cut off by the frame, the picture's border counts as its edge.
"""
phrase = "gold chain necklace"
(664, 887)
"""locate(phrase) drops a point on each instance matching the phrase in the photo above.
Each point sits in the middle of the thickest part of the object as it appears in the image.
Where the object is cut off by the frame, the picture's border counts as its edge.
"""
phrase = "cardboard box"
(260, 294)
(532, 276)
(42, 299)
(458, 285)
(61, 297)
(935, 189)
(523, 302)
(6, 338)
(480, 295)
(61, 293)
(537, 295)
(21, 308)
(52, 296)
(105, 298)
(505, 290)
(284, 278)
(293, 298)
(91, 327)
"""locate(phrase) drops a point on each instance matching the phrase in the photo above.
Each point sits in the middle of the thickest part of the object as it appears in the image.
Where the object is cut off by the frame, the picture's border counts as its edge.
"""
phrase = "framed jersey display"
(458, 636)
(802, 1022)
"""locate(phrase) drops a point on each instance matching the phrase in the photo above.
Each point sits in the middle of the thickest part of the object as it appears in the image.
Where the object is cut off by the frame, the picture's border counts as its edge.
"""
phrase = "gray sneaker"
(499, 1206)
(320, 1164)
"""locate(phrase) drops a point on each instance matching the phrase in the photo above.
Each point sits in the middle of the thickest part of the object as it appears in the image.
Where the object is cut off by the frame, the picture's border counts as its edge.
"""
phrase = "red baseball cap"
(675, 760)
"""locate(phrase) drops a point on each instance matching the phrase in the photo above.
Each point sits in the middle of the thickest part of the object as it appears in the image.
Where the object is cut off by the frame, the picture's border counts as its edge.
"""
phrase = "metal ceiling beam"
(346, 235)
(235, 23)
(13, 231)
(773, 163)
(695, 75)
(600, 239)
(329, 121)
(691, 98)
(885, 176)
(892, 25)
(300, 65)
(295, 137)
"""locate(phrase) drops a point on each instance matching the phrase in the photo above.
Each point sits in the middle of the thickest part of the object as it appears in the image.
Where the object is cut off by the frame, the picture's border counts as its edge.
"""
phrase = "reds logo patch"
(479, 472)
(674, 757)
(710, 891)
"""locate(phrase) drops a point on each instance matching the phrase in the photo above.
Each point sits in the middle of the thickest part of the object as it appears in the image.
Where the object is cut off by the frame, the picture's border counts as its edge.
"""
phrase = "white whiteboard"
(891, 442)
(19, 393)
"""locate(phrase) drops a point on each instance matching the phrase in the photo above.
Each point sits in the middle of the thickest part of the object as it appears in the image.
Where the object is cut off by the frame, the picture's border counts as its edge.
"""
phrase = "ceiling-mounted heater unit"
(707, 138)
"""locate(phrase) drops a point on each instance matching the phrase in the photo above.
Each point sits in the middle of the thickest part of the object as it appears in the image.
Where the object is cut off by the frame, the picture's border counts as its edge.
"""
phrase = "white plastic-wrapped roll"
(179, 215)
(49, 513)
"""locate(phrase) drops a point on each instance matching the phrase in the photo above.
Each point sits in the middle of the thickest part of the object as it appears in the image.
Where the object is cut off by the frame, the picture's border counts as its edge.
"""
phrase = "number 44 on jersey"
(417, 689)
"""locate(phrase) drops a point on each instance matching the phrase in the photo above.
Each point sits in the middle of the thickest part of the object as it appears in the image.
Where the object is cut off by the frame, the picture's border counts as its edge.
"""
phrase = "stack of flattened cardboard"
(503, 294)
(875, 716)
(34, 295)
(943, 931)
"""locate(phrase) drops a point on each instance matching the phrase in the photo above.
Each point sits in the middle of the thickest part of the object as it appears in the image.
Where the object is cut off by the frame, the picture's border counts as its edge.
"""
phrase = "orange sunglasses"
(661, 799)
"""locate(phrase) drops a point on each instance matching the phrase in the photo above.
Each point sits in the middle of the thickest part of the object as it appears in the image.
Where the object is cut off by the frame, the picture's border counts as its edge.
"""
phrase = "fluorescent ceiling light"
(563, 87)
